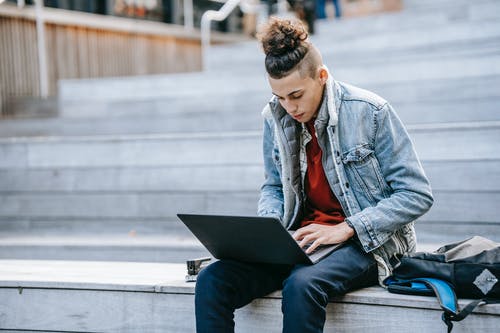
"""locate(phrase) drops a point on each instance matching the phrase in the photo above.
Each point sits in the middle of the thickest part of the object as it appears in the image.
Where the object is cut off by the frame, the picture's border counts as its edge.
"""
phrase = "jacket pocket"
(364, 170)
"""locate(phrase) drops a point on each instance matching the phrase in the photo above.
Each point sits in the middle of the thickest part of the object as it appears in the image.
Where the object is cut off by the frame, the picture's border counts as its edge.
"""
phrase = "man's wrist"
(350, 228)
(349, 223)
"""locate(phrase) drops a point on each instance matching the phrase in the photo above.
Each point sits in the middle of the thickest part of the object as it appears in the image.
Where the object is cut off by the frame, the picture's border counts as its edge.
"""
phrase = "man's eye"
(297, 96)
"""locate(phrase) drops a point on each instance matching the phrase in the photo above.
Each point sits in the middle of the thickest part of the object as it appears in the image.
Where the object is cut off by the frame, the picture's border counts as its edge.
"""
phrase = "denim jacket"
(370, 164)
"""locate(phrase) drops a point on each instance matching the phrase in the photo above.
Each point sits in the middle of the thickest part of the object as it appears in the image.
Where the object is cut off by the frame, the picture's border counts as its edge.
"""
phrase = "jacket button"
(347, 185)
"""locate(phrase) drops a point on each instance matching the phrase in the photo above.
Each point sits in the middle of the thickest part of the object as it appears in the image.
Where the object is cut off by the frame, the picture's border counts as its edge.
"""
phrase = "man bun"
(282, 36)
(285, 44)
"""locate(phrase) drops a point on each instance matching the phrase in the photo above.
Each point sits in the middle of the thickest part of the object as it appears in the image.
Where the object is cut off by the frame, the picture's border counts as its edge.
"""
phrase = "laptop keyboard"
(315, 250)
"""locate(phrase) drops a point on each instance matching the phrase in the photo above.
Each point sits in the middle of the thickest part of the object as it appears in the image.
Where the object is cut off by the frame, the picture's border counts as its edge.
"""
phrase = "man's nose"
(289, 106)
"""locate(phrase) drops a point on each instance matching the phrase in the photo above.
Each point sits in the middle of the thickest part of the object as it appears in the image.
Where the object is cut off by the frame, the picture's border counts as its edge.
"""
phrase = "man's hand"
(319, 234)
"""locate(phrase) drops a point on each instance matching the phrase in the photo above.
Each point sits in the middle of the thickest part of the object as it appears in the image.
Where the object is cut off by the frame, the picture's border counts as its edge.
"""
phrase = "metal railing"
(247, 7)
(206, 20)
(42, 52)
(188, 14)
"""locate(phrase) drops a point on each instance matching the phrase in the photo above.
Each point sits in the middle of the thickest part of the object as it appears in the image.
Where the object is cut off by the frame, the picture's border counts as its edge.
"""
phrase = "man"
(339, 167)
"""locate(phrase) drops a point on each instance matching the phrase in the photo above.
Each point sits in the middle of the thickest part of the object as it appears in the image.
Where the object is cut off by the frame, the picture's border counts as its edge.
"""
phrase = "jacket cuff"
(365, 232)
(270, 213)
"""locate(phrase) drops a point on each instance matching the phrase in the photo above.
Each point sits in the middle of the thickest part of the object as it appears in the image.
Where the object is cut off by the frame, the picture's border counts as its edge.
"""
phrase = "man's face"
(299, 96)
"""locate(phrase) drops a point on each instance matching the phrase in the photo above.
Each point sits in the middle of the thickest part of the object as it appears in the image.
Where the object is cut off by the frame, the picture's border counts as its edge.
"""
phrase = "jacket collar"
(333, 95)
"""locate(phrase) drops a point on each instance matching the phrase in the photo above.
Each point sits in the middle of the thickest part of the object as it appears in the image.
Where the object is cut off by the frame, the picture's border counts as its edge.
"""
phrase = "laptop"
(251, 239)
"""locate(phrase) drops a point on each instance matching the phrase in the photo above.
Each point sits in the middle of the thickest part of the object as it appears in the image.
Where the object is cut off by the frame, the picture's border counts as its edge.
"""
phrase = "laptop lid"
(251, 239)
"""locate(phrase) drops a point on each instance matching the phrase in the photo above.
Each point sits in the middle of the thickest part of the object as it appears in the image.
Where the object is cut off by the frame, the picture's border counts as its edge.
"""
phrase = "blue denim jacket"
(370, 164)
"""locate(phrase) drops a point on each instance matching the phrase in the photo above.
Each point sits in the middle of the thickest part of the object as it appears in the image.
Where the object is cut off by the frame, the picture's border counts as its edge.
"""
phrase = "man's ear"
(323, 75)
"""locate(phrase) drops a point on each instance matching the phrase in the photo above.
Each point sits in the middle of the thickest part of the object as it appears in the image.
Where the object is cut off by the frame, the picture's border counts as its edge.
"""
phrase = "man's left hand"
(319, 234)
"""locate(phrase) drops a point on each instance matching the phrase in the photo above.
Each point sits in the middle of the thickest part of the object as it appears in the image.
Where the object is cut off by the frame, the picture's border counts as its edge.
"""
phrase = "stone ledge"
(165, 278)
(133, 297)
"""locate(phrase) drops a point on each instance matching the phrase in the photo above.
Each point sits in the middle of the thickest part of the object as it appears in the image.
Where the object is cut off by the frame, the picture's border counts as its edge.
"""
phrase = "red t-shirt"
(321, 204)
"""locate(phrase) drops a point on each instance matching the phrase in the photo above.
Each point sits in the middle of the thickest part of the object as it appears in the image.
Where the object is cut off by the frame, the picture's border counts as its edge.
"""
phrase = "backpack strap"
(449, 318)
(426, 287)
(445, 295)
(429, 287)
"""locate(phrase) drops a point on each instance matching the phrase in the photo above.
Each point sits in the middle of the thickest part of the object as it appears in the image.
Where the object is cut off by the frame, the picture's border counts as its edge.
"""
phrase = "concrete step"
(450, 176)
(447, 220)
(430, 29)
(445, 11)
(91, 226)
(433, 142)
(131, 198)
(205, 85)
(99, 247)
(463, 207)
(425, 69)
(153, 297)
(242, 117)
(355, 45)
(188, 178)
(458, 39)
(177, 246)
(424, 101)
(31, 107)
(443, 5)
(409, 19)
(136, 97)
(469, 188)
(160, 121)
(466, 212)
(134, 205)
(178, 149)
(155, 177)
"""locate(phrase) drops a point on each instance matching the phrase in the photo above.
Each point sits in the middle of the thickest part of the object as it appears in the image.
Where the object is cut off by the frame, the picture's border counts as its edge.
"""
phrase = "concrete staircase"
(104, 179)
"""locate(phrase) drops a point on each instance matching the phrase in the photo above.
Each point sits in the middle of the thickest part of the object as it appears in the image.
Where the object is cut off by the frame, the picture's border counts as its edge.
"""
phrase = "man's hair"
(287, 48)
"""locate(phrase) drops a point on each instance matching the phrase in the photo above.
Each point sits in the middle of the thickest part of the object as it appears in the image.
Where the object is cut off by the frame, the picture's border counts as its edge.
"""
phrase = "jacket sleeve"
(411, 195)
(271, 192)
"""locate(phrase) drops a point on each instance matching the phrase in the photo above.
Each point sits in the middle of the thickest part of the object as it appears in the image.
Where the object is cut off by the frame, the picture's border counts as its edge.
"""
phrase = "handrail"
(247, 6)
(42, 52)
(206, 20)
(188, 14)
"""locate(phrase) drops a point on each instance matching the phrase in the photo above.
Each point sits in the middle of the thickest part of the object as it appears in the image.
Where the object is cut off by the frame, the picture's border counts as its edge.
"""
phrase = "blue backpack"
(469, 269)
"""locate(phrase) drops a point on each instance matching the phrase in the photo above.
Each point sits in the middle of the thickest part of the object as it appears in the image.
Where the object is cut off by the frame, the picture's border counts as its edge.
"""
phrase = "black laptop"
(251, 239)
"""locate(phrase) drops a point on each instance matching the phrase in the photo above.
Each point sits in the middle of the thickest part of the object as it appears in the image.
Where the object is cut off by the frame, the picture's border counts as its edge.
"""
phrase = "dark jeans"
(227, 285)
